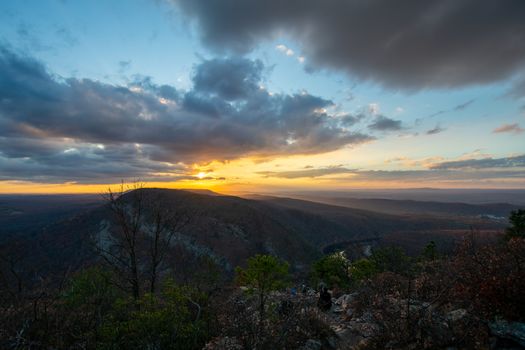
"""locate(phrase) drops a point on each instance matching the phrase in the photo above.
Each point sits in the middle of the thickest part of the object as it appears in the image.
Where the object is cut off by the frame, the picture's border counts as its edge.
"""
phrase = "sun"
(201, 175)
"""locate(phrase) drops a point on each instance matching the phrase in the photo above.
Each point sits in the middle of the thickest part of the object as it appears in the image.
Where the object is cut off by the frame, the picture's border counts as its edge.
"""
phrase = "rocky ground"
(434, 327)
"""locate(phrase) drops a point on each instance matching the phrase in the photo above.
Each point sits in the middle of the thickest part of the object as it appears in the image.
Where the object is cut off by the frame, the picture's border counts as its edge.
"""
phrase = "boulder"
(434, 330)
(224, 343)
(345, 300)
(513, 331)
(348, 338)
(337, 310)
(456, 315)
(365, 329)
(311, 344)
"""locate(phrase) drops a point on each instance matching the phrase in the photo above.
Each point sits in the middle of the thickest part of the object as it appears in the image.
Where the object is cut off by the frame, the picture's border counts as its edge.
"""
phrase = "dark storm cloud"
(230, 79)
(517, 91)
(77, 129)
(309, 172)
(55, 161)
(485, 163)
(409, 44)
(351, 119)
(382, 123)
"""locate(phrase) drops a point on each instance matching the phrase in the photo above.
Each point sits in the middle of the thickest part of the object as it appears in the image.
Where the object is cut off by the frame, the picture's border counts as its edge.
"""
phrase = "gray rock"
(514, 331)
(345, 300)
(364, 329)
(367, 317)
(311, 344)
(332, 342)
(224, 343)
(348, 338)
(337, 310)
(456, 315)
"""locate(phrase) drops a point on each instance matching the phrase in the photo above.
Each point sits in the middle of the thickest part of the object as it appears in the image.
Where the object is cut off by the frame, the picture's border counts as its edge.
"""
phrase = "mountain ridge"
(232, 228)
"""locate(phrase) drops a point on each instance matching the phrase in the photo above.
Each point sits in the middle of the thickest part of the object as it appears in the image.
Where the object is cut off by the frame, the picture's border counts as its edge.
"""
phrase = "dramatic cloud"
(410, 44)
(74, 130)
(308, 172)
(510, 128)
(518, 89)
(382, 123)
(485, 163)
(349, 176)
(231, 79)
(86, 163)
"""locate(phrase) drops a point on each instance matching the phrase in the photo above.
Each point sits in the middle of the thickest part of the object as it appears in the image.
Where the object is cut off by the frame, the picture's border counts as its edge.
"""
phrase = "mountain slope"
(230, 229)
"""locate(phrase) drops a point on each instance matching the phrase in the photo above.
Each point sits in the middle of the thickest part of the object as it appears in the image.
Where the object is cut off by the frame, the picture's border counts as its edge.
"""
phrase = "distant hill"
(28, 214)
(393, 206)
(204, 191)
(468, 196)
(230, 229)
(409, 224)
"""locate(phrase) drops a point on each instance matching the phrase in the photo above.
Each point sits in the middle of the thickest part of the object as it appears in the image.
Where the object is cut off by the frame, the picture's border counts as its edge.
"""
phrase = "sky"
(261, 95)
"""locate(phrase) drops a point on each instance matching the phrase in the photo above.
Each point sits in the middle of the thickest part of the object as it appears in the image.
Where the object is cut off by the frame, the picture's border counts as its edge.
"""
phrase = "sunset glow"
(262, 174)
(92, 103)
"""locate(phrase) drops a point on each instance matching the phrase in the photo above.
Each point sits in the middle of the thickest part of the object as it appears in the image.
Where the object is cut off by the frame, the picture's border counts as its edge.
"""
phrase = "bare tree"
(142, 235)
(165, 223)
(121, 247)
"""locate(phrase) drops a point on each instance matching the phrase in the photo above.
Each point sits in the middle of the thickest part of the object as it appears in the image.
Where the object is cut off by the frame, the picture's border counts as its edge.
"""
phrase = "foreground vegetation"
(131, 299)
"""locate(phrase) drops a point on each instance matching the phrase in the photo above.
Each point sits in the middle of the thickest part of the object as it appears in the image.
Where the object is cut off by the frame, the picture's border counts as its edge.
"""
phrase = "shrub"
(172, 320)
(517, 221)
(392, 259)
(265, 273)
(362, 269)
(491, 279)
(334, 270)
